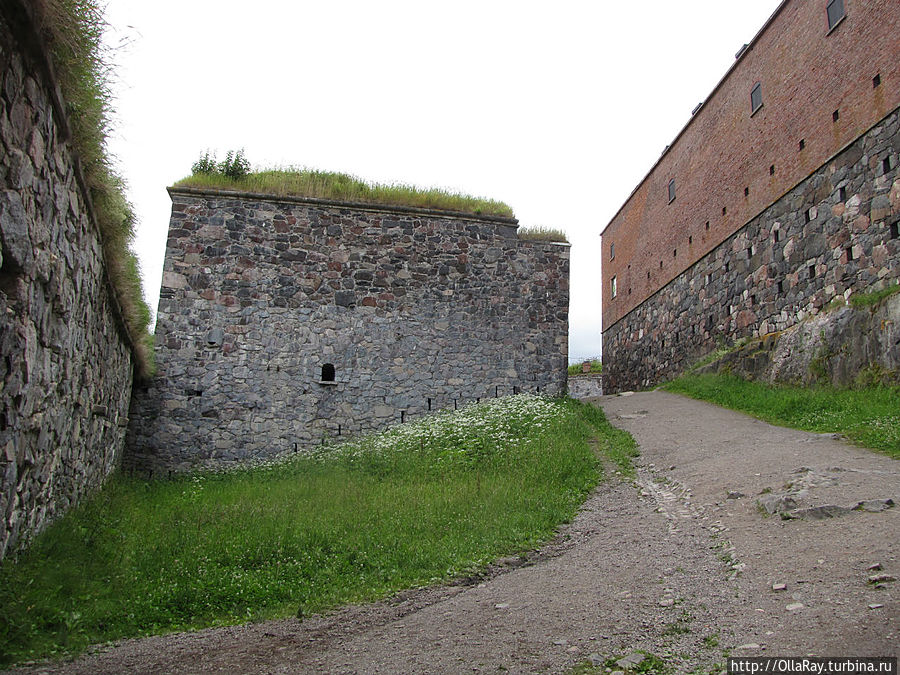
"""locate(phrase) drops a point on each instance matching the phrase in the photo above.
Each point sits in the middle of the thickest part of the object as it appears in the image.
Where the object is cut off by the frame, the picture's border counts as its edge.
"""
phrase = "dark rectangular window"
(780, 287)
(746, 192)
(895, 229)
(876, 81)
(671, 190)
(777, 235)
(612, 251)
(690, 240)
(707, 224)
(835, 11)
(755, 98)
(812, 271)
(612, 287)
(802, 144)
(772, 170)
(842, 194)
(836, 115)
(886, 165)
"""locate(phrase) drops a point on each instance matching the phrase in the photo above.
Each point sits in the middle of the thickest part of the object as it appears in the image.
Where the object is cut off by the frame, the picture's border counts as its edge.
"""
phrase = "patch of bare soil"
(686, 563)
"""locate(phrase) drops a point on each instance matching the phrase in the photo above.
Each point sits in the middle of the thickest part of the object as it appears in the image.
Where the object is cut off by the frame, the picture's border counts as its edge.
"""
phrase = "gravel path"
(680, 563)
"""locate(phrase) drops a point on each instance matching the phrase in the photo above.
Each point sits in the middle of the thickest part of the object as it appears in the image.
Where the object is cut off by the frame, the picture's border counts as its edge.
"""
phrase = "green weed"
(543, 233)
(873, 298)
(73, 30)
(300, 182)
(868, 416)
(423, 502)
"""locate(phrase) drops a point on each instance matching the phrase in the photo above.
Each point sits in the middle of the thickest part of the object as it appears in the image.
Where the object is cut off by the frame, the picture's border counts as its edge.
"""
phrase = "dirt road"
(683, 563)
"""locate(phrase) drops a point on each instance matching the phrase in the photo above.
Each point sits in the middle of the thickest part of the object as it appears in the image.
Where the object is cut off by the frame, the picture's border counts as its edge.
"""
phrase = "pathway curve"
(681, 563)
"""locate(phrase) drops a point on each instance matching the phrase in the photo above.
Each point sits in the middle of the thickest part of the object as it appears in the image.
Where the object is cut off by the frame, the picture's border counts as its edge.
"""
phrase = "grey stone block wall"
(416, 311)
(65, 363)
(834, 234)
(586, 386)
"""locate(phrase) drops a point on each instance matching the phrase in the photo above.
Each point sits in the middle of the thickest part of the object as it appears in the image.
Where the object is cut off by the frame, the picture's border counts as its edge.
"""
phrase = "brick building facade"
(817, 79)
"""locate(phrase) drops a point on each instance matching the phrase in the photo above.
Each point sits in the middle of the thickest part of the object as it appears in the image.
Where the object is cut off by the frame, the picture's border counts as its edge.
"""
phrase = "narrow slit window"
(777, 236)
(671, 190)
(746, 191)
(724, 210)
(812, 271)
(328, 372)
(895, 229)
(885, 164)
(876, 81)
(802, 144)
(756, 98)
(612, 287)
(772, 170)
(836, 115)
(690, 240)
(707, 224)
(612, 251)
(842, 194)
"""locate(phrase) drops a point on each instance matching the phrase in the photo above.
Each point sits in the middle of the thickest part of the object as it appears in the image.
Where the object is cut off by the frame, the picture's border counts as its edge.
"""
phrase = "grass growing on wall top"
(294, 182)
(428, 500)
(543, 233)
(73, 30)
(868, 416)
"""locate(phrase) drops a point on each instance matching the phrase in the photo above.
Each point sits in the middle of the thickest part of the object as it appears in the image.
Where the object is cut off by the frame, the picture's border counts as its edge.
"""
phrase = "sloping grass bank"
(422, 502)
(298, 182)
(868, 416)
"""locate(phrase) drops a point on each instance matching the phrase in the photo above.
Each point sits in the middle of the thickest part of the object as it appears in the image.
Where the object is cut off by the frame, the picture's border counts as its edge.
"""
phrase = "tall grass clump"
(425, 501)
(543, 233)
(301, 182)
(73, 31)
(868, 416)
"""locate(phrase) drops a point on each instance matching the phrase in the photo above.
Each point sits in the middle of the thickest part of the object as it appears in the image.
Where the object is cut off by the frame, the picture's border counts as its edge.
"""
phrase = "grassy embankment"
(297, 182)
(426, 501)
(73, 30)
(867, 416)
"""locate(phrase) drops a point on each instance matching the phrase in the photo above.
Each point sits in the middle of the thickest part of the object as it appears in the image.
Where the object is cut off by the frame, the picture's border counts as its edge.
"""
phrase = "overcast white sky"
(558, 109)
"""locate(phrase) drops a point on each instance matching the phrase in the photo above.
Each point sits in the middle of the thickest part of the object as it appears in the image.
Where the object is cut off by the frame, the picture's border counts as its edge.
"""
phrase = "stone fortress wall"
(835, 233)
(284, 323)
(65, 357)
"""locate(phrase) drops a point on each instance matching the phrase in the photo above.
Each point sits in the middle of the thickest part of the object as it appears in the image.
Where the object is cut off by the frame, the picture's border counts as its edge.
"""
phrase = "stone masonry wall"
(834, 234)
(415, 310)
(65, 365)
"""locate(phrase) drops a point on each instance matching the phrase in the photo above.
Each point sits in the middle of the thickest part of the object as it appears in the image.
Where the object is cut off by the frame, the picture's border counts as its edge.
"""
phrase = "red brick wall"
(806, 73)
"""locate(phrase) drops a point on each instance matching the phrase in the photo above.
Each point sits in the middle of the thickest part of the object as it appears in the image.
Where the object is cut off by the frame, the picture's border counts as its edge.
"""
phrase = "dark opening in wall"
(648, 275)
(724, 210)
(746, 191)
(749, 252)
(328, 372)
(675, 253)
(802, 144)
(895, 229)
(836, 115)
(886, 164)
(780, 287)
(707, 224)
(752, 300)
(849, 252)
(690, 240)
(806, 216)
(429, 404)
(660, 264)
(671, 190)
(876, 81)
(727, 267)
(812, 271)
(776, 235)
(772, 170)
(842, 194)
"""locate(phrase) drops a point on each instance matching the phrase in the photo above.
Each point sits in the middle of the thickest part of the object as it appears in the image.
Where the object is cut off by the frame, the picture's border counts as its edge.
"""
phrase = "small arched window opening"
(328, 372)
